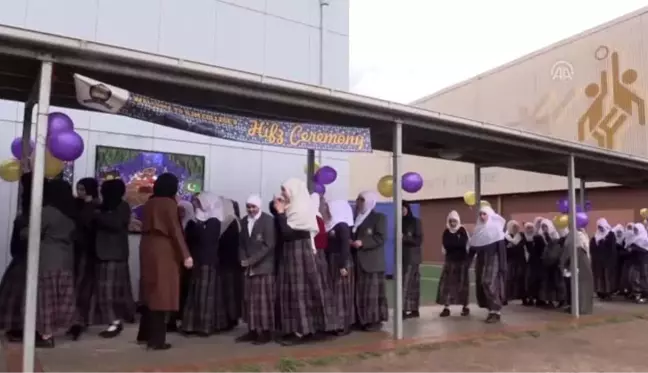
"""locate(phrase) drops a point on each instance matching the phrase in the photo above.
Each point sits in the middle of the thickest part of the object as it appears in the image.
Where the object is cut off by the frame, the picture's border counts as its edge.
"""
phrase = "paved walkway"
(92, 353)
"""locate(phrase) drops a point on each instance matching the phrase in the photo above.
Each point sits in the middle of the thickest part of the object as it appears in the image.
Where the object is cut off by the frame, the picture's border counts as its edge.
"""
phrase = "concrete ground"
(92, 353)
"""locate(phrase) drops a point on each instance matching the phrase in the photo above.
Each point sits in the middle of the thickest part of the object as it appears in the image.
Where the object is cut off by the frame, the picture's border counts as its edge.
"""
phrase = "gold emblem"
(601, 126)
(259, 237)
(369, 231)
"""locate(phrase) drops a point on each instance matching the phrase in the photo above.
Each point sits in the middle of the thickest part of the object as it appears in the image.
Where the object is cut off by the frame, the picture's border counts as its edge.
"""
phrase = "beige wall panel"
(544, 93)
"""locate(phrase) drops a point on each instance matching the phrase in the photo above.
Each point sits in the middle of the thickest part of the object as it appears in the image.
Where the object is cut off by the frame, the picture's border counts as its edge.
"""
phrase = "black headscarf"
(25, 198)
(112, 194)
(237, 210)
(166, 185)
(91, 186)
(410, 214)
(272, 209)
(57, 193)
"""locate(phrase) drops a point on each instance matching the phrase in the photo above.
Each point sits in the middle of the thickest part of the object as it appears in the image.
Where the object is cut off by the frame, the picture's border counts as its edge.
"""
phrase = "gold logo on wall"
(546, 112)
(601, 126)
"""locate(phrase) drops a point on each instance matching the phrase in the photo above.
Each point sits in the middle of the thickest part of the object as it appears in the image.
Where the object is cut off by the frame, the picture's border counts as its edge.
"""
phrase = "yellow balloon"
(53, 166)
(10, 170)
(470, 198)
(386, 186)
(561, 221)
(643, 212)
(484, 203)
(317, 167)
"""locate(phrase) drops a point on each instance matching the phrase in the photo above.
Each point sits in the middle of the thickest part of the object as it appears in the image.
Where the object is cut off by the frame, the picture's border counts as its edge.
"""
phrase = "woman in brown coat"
(163, 251)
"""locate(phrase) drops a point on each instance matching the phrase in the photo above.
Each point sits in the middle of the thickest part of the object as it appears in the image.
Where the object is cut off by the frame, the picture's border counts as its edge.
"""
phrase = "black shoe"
(291, 340)
(247, 337)
(445, 312)
(492, 318)
(262, 339)
(14, 335)
(372, 327)
(44, 343)
(342, 332)
(141, 341)
(113, 330)
(161, 347)
(74, 332)
(414, 315)
(465, 311)
(172, 327)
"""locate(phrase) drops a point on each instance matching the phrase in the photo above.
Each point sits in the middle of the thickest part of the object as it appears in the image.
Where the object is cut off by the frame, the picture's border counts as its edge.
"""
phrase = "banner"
(110, 99)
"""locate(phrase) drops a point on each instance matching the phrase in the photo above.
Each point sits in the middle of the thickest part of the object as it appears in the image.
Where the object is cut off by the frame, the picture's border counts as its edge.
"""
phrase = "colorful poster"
(110, 99)
(139, 170)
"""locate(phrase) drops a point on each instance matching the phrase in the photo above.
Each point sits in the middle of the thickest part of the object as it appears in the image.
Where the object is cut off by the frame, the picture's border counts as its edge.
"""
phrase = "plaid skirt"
(411, 288)
(343, 292)
(605, 278)
(454, 284)
(260, 297)
(371, 297)
(638, 274)
(12, 295)
(516, 279)
(56, 307)
(325, 278)
(490, 279)
(552, 288)
(204, 311)
(113, 293)
(302, 301)
(232, 293)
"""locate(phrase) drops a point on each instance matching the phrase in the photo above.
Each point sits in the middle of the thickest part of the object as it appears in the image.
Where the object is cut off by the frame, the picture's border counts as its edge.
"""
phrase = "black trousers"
(152, 328)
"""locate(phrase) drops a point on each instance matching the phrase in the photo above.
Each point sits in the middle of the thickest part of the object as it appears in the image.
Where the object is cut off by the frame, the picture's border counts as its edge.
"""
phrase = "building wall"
(546, 93)
(618, 205)
(278, 38)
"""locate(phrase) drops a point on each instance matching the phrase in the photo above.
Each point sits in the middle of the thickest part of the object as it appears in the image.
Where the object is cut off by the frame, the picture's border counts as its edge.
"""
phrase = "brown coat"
(162, 253)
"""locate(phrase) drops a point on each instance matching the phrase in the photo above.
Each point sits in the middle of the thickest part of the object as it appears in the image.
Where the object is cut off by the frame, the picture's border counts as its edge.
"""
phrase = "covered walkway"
(38, 69)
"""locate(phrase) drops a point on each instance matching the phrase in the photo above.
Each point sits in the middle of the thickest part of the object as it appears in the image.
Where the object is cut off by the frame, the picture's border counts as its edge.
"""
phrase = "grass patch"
(247, 368)
(286, 364)
(324, 361)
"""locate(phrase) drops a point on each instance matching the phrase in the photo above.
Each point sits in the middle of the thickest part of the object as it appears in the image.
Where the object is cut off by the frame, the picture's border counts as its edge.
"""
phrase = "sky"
(402, 50)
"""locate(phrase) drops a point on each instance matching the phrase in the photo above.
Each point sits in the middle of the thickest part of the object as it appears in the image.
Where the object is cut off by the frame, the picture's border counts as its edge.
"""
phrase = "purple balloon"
(581, 220)
(412, 182)
(563, 205)
(59, 122)
(319, 189)
(66, 146)
(16, 147)
(325, 175)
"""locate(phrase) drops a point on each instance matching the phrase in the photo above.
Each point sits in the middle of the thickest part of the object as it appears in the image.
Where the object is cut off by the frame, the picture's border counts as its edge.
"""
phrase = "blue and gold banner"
(110, 99)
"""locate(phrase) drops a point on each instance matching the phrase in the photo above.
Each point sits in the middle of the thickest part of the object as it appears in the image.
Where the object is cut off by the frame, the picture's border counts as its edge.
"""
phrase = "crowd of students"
(310, 269)
(531, 262)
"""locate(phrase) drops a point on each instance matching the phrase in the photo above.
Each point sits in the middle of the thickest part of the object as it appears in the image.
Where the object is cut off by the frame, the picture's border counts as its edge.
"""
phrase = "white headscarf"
(551, 229)
(254, 200)
(211, 206)
(641, 238)
(189, 212)
(537, 222)
(563, 232)
(529, 236)
(300, 212)
(315, 200)
(490, 231)
(628, 235)
(341, 212)
(453, 215)
(603, 224)
(370, 200)
(510, 236)
(619, 233)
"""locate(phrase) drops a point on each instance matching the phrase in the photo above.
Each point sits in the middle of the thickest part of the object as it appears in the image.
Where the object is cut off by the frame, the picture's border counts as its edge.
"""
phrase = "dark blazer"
(372, 232)
(412, 240)
(111, 233)
(203, 239)
(338, 252)
(258, 247)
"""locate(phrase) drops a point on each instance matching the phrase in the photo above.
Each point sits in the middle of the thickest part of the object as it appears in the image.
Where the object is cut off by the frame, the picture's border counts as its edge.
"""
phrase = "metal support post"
(26, 149)
(310, 170)
(582, 194)
(323, 4)
(33, 249)
(398, 230)
(477, 189)
(571, 191)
